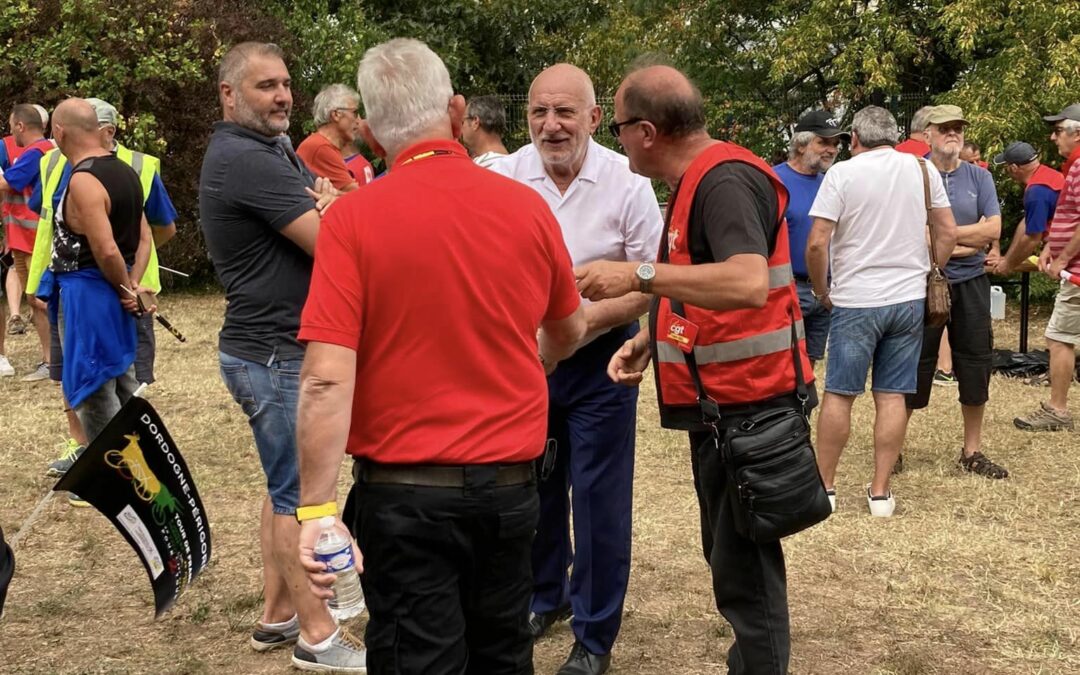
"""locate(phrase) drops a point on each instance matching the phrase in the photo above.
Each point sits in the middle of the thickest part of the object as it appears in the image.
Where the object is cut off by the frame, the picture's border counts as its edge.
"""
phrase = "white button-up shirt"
(607, 212)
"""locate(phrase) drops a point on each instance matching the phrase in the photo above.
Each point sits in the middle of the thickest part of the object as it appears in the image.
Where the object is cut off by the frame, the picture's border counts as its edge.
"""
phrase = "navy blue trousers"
(593, 421)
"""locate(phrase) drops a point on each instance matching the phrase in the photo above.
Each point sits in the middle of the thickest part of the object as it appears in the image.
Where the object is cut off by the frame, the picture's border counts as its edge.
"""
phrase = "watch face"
(646, 271)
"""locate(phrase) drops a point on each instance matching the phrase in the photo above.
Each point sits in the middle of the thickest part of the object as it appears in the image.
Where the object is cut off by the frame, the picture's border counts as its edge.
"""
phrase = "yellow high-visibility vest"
(52, 169)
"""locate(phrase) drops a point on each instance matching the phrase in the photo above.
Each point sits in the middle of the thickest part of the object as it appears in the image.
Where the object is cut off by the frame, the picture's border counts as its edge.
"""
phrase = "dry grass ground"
(972, 576)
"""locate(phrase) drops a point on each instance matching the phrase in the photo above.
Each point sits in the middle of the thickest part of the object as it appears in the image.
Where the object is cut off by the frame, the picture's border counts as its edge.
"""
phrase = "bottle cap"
(326, 522)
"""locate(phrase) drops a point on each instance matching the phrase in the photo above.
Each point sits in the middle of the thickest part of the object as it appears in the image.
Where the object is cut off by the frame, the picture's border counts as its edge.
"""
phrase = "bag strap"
(926, 198)
(710, 409)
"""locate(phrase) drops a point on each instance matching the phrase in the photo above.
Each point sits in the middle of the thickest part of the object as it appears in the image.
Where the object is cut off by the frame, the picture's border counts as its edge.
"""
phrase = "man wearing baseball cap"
(974, 203)
(1041, 187)
(813, 149)
(1062, 253)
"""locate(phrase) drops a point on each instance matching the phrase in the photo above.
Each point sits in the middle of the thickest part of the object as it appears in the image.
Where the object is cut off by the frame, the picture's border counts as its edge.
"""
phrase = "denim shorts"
(268, 396)
(889, 337)
(815, 321)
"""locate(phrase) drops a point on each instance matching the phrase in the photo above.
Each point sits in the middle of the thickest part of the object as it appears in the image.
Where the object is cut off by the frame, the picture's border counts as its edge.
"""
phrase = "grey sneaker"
(6, 370)
(346, 654)
(16, 325)
(38, 374)
(1045, 419)
(71, 453)
(264, 639)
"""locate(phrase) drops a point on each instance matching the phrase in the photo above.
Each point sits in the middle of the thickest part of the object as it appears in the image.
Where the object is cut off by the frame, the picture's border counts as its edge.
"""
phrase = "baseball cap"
(822, 123)
(43, 113)
(106, 114)
(1071, 112)
(943, 114)
(1017, 152)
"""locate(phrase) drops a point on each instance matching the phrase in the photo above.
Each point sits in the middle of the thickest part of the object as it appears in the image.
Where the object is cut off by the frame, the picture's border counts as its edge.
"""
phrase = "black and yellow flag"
(134, 474)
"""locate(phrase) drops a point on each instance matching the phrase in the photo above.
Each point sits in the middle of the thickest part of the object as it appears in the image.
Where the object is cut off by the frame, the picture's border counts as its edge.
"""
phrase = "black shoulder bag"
(776, 487)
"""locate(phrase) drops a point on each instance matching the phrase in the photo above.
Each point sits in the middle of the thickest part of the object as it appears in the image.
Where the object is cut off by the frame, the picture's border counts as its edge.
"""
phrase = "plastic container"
(997, 303)
(336, 552)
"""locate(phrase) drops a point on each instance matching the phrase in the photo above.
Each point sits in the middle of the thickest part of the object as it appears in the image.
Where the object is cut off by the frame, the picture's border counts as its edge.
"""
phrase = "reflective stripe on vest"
(52, 170)
(736, 350)
(743, 355)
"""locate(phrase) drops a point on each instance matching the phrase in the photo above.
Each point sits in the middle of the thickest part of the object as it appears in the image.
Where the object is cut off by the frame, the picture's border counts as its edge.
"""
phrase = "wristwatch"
(817, 297)
(645, 274)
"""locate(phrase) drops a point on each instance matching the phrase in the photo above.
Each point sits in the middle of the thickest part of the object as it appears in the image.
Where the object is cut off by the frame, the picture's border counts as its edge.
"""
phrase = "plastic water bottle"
(997, 303)
(335, 551)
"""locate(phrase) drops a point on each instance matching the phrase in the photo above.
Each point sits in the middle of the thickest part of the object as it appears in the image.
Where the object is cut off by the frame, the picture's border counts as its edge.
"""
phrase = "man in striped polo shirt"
(1062, 253)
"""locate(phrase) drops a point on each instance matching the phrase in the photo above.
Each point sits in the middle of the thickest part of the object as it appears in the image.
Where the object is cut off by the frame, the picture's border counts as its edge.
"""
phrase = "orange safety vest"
(16, 209)
(1048, 177)
(744, 356)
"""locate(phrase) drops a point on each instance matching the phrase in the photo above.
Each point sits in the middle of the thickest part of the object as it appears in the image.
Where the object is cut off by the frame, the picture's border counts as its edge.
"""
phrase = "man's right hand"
(321, 581)
(627, 366)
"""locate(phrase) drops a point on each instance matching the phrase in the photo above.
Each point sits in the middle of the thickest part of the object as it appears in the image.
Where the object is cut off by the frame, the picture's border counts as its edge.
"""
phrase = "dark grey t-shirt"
(250, 188)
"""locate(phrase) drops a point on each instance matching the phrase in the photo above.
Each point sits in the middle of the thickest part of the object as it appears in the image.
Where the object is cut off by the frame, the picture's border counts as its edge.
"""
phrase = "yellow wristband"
(314, 512)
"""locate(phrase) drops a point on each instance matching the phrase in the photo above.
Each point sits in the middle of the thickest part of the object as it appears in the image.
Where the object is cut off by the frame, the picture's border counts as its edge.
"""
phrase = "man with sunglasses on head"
(974, 203)
(606, 213)
(336, 113)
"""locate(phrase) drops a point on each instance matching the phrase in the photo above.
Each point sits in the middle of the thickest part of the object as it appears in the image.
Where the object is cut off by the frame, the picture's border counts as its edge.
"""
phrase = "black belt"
(439, 476)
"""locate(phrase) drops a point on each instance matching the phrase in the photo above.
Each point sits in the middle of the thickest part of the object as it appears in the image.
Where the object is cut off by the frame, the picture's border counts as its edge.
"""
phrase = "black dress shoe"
(582, 662)
(539, 623)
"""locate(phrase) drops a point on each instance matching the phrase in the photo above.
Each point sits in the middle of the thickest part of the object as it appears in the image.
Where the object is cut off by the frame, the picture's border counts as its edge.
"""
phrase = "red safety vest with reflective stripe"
(1044, 175)
(743, 355)
(13, 149)
(16, 210)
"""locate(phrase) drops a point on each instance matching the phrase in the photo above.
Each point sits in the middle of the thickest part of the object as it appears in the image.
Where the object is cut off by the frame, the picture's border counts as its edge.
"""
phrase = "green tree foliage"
(759, 64)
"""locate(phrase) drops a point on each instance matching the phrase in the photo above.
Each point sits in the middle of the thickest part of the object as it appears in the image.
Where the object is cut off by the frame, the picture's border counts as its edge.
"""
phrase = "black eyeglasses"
(616, 127)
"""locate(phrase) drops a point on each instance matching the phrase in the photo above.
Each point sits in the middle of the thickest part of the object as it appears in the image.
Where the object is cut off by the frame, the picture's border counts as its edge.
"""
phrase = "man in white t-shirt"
(871, 214)
(483, 129)
(606, 213)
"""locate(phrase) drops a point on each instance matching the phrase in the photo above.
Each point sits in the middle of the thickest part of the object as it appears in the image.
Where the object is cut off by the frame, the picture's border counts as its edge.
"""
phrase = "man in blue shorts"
(870, 217)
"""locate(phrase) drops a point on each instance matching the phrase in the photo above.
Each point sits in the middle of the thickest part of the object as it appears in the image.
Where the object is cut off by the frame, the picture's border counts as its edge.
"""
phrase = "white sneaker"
(831, 492)
(6, 369)
(880, 507)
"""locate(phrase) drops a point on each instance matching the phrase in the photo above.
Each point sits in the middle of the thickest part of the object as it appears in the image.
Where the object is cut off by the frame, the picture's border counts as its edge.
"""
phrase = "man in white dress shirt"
(606, 213)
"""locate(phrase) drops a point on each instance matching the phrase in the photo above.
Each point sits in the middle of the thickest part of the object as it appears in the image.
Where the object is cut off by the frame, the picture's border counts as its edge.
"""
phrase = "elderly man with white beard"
(813, 149)
(606, 213)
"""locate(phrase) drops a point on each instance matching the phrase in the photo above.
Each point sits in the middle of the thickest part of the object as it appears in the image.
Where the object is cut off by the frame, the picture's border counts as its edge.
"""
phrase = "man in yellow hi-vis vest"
(160, 213)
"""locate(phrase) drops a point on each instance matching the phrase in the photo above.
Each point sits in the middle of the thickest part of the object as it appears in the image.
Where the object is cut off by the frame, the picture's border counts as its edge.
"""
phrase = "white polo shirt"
(607, 212)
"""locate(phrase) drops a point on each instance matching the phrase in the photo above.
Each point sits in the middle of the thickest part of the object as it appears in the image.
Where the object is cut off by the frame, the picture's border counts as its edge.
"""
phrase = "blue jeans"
(890, 337)
(815, 321)
(268, 396)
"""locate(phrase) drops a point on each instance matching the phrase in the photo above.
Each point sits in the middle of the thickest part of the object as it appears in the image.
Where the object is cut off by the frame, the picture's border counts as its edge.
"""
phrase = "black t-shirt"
(734, 212)
(71, 251)
(250, 188)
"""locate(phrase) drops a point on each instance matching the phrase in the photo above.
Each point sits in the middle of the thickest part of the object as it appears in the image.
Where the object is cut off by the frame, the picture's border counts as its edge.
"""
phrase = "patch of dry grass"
(972, 576)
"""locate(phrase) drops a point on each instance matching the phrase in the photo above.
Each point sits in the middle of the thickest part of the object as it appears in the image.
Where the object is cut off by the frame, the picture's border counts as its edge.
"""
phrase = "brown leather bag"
(938, 297)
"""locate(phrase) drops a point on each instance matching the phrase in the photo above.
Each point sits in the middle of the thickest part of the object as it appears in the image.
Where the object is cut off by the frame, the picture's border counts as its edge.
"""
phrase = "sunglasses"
(616, 127)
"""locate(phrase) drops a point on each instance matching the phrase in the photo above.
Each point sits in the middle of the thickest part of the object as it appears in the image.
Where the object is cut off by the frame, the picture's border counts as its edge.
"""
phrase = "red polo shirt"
(914, 147)
(438, 275)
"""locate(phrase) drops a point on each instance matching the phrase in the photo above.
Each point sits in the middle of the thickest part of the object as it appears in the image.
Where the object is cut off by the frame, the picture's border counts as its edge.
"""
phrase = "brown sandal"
(982, 465)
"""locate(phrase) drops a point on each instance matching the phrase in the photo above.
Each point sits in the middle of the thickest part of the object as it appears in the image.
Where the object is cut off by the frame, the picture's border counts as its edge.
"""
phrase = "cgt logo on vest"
(682, 333)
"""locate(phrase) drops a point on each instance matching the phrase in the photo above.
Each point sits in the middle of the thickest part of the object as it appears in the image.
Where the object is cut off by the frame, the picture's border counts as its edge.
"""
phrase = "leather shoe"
(582, 662)
(539, 623)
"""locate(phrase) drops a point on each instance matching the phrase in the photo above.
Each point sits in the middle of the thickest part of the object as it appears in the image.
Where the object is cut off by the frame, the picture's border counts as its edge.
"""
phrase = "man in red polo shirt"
(422, 364)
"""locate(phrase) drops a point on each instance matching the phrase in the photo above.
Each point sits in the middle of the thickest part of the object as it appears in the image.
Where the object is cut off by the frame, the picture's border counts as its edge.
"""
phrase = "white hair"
(921, 119)
(406, 90)
(331, 98)
(1071, 126)
(799, 140)
(44, 115)
(875, 126)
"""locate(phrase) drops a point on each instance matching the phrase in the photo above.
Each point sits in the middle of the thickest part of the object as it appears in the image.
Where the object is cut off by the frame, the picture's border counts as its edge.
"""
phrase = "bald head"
(566, 79)
(666, 98)
(76, 115)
